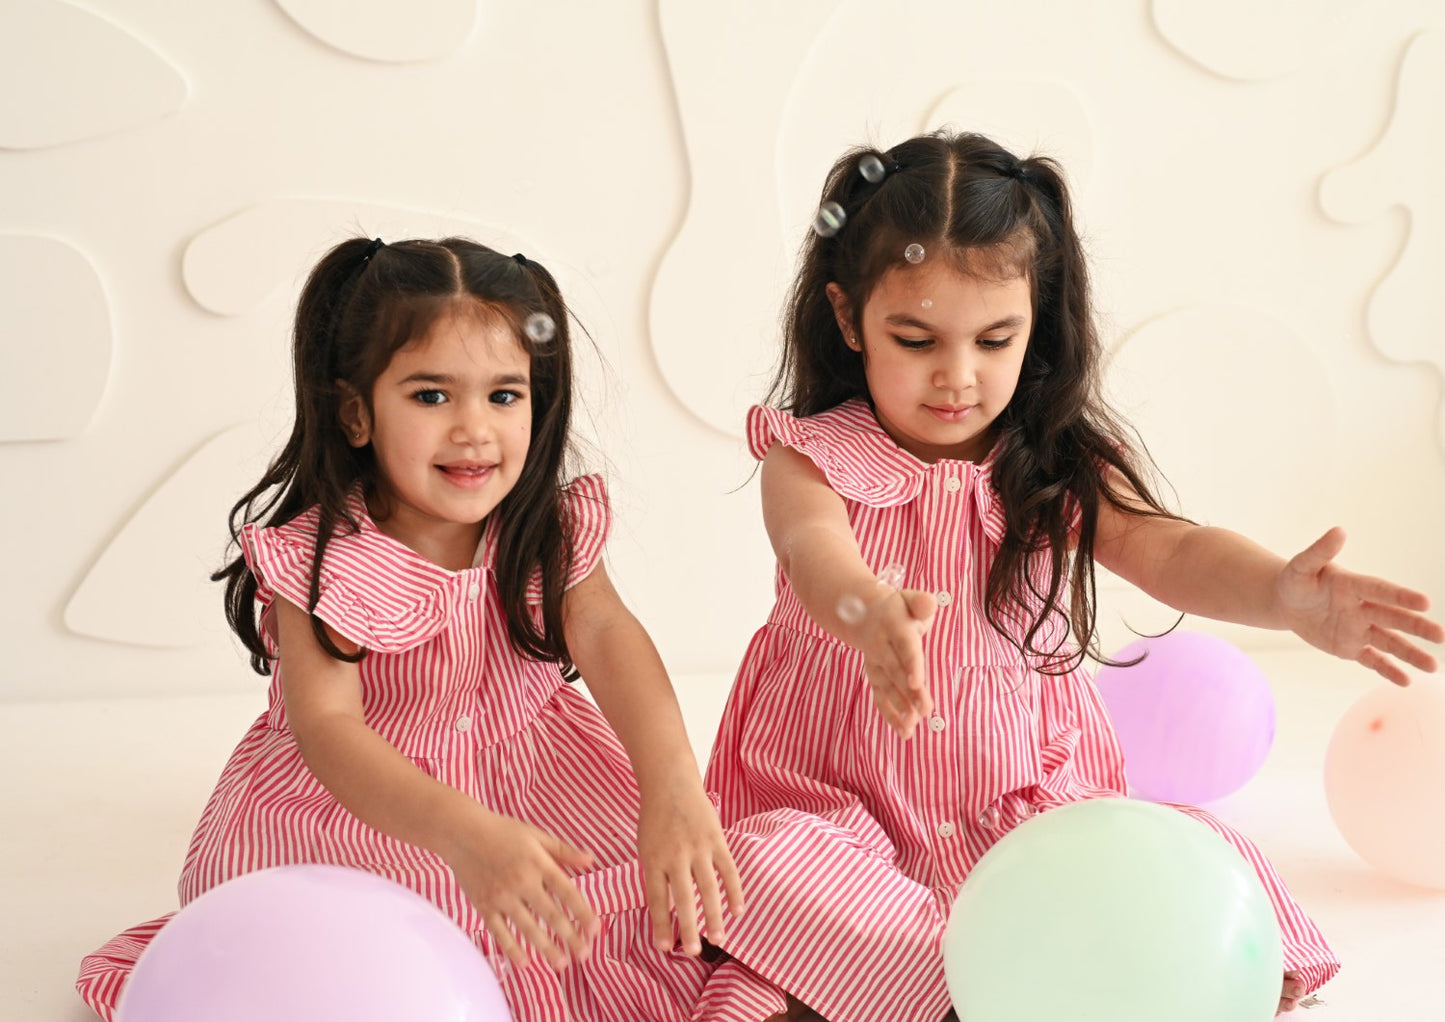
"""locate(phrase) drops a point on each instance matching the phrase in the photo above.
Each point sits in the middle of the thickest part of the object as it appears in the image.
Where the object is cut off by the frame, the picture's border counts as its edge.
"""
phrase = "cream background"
(1259, 184)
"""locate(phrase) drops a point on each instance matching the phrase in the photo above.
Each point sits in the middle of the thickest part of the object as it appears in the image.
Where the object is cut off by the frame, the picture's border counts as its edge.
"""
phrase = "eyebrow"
(446, 379)
(903, 319)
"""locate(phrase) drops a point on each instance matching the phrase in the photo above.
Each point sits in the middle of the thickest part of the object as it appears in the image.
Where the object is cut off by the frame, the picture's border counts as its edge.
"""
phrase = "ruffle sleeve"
(862, 463)
(588, 517)
(373, 591)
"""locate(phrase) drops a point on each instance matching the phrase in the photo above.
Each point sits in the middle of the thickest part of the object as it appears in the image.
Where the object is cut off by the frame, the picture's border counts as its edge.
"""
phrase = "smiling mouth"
(467, 475)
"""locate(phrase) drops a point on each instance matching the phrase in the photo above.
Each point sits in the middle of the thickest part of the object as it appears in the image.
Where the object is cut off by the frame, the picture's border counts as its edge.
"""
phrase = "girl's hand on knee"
(516, 876)
(1356, 617)
(892, 645)
(684, 855)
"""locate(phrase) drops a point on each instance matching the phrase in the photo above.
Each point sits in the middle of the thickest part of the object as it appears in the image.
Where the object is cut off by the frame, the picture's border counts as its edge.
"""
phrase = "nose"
(956, 369)
(472, 424)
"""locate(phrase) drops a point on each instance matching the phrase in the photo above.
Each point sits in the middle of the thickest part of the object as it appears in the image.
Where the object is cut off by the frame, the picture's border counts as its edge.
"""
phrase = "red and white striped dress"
(854, 842)
(445, 687)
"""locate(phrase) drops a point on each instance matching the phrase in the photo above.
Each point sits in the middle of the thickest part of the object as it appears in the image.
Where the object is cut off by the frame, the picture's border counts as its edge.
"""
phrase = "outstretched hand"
(1356, 617)
(891, 642)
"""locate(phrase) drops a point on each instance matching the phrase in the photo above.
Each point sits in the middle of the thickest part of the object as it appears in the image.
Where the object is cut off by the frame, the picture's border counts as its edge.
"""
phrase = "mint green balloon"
(1113, 910)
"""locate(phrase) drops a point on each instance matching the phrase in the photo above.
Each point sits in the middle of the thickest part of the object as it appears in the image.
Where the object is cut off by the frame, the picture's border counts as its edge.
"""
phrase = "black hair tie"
(371, 250)
(519, 258)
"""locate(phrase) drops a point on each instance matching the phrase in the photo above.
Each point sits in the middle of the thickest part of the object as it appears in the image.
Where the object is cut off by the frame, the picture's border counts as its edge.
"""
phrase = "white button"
(464, 723)
(989, 817)
(945, 829)
(474, 591)
(952, 485)
(936, 724)
(944, 597)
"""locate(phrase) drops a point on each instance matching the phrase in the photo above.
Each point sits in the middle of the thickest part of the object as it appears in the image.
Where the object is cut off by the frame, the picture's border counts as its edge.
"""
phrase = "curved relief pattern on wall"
(1026, 116)
(1252, 41)
(57, 352)
(1238, 447)
(151, 586)
(234, 266)
(67, 74)
(1406, 167)
(418, 30)
(717, 294)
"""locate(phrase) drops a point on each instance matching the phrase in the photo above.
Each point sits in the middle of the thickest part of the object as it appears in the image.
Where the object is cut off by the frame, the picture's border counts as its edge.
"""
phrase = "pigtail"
(1057, 440)
(316, 467)
(535, 532)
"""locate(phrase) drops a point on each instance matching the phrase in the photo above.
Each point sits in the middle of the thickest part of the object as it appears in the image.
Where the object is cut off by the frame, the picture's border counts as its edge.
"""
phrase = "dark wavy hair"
(362, 303)
(968, 198)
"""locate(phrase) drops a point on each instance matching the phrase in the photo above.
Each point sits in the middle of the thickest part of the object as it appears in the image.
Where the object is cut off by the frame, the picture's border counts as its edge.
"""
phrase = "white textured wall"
(1260, 184)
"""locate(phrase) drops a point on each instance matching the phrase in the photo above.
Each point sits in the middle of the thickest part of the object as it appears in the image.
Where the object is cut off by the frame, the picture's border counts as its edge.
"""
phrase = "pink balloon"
(1385, 780)
(311, 943)
(1195, 718)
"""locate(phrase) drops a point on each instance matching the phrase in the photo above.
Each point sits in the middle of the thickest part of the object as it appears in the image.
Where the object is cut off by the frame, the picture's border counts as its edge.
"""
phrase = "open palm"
(1356, 617)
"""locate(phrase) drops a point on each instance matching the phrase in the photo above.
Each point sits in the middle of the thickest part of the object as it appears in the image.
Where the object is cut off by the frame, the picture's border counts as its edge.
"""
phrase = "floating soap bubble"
(539, 328)
(914, 253)
(891, 576)
(872, 169)
(851, 609)
(927, 303)
(830, 220)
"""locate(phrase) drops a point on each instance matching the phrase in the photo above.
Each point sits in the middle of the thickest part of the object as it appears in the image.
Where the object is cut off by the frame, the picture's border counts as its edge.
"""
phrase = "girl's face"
(942, 352)
(450, 425)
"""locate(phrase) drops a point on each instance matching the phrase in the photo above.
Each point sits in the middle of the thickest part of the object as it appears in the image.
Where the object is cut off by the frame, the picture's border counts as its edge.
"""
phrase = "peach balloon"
(1385, 781)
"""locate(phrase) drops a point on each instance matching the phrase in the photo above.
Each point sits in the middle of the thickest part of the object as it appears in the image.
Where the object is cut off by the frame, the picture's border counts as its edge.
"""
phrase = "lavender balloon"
(1195, 718)
(311, 943)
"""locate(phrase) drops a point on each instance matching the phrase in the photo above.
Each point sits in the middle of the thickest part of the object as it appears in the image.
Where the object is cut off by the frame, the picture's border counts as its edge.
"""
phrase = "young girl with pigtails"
(938, 417)
(420, 579)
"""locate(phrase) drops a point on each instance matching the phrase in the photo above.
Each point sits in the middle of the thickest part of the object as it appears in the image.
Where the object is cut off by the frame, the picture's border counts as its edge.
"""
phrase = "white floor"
(100, 798)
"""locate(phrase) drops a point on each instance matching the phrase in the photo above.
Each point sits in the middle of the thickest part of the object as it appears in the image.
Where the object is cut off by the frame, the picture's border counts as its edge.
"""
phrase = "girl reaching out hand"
(940, 417)
(420, 582)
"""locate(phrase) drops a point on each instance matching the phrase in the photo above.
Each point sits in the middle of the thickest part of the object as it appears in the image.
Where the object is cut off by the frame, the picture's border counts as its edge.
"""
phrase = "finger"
(496, 924)
(1378, 590)
(1313, 558)
(922, 606)
(561, 889)
(907, 648)
(1383, 666)
(658, 908)
(892, 695)
(704, 878)
(685, 909)
(1400, 649)
(564, 928)
(732, 883)
(566, 855)
(1404, 621)
(531, 932)
(893, 716)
